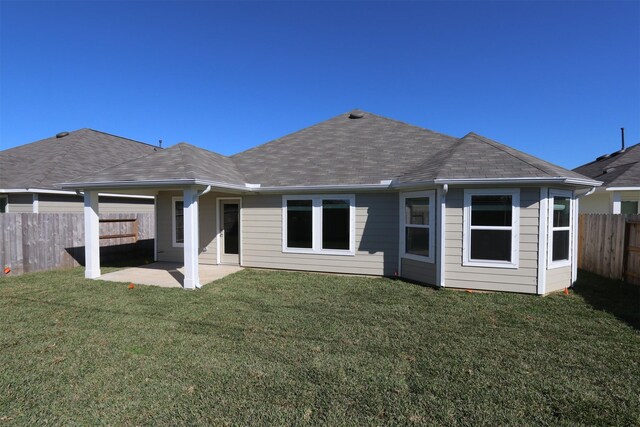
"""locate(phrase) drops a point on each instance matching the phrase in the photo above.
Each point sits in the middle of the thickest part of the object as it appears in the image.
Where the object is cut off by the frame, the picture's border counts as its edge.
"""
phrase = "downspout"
(576, 212)
(198, 194)
(441, 240)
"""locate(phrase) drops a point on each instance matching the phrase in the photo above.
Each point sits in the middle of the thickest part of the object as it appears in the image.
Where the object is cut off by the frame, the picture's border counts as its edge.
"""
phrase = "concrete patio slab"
(168, 274)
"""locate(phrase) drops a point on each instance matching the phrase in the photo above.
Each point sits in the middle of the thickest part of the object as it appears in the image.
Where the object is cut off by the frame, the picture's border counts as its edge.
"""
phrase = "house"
(29, 173)
(620, 176)
(359, 194)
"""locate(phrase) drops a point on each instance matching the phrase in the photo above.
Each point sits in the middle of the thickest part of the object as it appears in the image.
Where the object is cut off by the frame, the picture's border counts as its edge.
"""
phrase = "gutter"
(383, 185)
(66, 192)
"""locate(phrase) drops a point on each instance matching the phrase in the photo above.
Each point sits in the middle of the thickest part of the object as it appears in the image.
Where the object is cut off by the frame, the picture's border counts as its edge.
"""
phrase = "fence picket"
(45, 241)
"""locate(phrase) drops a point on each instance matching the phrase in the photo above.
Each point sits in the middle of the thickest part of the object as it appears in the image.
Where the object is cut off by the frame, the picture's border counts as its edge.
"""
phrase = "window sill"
(178, 245)
(419, 258)
(490, 264)
(321, 252)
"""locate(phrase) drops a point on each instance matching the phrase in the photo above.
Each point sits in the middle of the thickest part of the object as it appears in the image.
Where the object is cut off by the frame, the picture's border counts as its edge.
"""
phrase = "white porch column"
(91, 235)
(191, 276)
(617, 204)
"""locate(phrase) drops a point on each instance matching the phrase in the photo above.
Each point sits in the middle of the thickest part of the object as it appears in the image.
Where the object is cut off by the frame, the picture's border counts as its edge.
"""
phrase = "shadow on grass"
(613, 296)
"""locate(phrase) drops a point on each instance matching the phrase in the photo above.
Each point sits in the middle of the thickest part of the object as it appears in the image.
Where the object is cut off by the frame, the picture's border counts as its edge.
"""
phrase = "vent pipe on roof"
(622, 135)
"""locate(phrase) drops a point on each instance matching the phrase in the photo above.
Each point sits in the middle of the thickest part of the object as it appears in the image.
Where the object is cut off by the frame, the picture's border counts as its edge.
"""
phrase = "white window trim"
(173, 220)
(551, 264)
(515, 228)
(403, 224)
(316, 227)
(6, 207)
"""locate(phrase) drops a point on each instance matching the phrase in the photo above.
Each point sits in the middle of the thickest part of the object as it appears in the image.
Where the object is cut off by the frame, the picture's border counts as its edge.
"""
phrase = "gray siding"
(522, 279)
(419, 271)
(207, 219)
(61, 203)
(20, 203)
(558, 278)
(376, 237)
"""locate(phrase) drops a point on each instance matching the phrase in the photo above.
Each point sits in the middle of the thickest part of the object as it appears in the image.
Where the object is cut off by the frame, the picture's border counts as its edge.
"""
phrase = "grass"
(263, 347)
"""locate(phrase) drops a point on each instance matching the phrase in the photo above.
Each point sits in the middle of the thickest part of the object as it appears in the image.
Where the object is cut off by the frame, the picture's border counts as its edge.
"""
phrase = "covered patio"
(168, 274)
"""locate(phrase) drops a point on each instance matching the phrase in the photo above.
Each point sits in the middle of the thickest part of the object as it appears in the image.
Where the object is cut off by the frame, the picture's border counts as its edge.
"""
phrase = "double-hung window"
(177, 211)
(417, 219)
(559, 228)
(323, 224)
(491, 228)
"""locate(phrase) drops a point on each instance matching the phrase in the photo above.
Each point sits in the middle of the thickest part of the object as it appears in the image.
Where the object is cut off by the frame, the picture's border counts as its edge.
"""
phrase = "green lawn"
(262, 347)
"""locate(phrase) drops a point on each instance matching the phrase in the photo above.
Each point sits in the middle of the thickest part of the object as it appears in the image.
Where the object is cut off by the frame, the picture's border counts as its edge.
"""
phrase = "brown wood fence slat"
(609, 245)
(46, 241)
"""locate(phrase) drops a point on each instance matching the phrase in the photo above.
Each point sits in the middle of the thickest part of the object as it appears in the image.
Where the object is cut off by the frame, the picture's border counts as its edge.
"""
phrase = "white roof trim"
(384, 184)
(67, 192)
(622, 189)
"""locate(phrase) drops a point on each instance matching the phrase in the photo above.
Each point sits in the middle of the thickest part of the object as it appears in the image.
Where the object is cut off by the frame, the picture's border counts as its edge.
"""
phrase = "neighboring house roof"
(618, 169)
(46, 163)
(355, 148)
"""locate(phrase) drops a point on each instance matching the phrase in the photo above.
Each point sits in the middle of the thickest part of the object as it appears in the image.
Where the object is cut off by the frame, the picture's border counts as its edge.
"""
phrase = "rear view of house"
(359, 194)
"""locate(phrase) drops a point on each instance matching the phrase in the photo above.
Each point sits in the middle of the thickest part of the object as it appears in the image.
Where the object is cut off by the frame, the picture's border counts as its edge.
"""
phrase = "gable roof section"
(477, 157)
(46, 163)
(619, 169)
(179, 162)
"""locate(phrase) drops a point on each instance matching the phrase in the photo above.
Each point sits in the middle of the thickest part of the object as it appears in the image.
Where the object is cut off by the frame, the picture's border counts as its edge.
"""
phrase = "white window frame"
(173, 220)
(6, 207)
(316, 227)
(514, 228)
(403, 225)
(551, 264)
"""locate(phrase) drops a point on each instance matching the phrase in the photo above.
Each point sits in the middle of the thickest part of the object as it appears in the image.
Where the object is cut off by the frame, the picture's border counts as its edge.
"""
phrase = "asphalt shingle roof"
(181, 161)
(342, 150)
(474, 156)
(46, 163)
(351, 148)
(619, 169)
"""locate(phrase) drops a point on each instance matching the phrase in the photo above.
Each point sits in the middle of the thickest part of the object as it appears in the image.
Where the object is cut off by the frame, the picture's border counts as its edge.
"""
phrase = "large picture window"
(560, 228)
(416, 222)
(178, 221)
(491, 219)
(319, 224)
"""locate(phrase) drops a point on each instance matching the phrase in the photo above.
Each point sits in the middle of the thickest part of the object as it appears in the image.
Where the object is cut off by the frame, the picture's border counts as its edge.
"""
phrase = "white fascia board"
(518, 181)
(298, 188)
(67, 192)
(623, 189)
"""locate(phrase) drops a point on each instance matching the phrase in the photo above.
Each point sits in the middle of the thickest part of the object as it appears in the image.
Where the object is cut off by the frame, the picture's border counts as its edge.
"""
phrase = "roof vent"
(605, 156)
(356, 114)
(608, 170)
(62, 134)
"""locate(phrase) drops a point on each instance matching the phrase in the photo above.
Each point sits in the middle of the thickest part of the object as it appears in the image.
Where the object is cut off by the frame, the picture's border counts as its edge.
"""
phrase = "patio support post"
(191, 276)
(91, 235)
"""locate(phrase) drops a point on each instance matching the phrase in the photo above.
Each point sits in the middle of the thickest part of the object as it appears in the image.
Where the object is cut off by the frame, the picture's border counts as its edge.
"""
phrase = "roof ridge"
(287, 135)
(502, 147)
(409, 124)
(345, 114)
(122, 137)
(58, 160)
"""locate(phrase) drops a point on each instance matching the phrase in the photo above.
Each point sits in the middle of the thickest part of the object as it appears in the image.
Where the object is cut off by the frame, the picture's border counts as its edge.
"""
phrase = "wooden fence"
(609, 245)
(45, 241)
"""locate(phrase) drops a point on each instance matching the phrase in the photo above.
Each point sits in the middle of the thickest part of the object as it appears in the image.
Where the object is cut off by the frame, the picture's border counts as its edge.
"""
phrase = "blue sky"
(555, 79)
